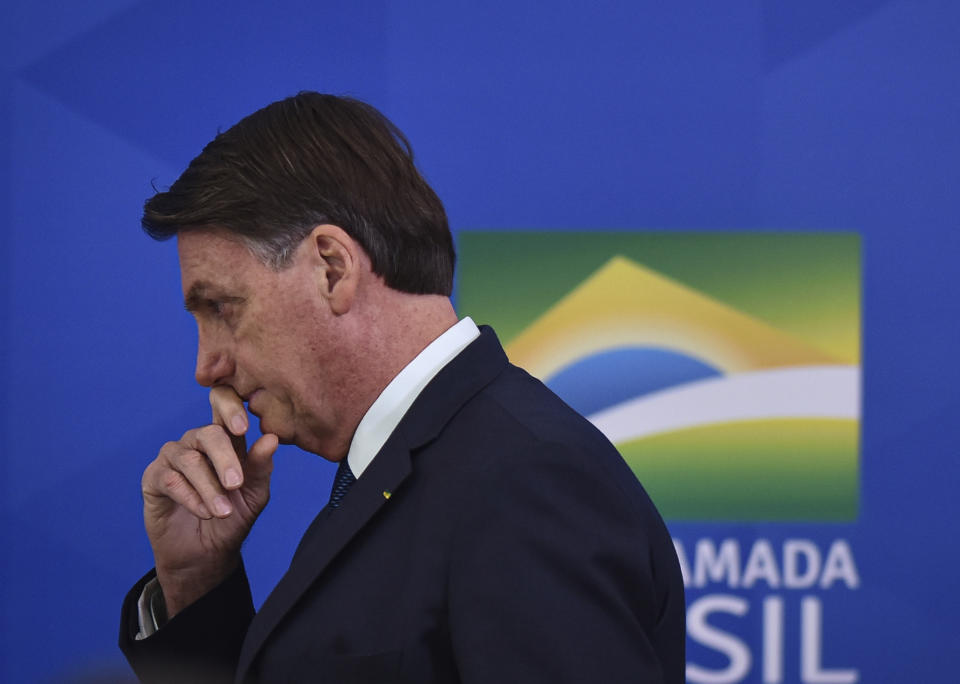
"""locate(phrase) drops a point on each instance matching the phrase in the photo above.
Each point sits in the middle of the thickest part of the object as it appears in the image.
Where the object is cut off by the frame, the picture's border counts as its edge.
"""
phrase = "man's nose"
(214, 363)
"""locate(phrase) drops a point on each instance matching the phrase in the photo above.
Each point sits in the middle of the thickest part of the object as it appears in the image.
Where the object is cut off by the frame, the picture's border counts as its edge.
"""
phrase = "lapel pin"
(386, 494)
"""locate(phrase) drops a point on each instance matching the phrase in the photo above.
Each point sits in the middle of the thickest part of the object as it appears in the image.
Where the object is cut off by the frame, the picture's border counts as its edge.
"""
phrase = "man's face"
(265, 333)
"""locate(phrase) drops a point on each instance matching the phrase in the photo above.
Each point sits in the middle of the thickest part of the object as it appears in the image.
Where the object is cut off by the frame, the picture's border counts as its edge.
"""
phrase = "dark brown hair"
(307, 160)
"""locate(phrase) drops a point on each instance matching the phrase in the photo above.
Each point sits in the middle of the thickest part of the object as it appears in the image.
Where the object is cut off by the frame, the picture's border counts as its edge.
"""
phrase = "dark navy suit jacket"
(496, 537)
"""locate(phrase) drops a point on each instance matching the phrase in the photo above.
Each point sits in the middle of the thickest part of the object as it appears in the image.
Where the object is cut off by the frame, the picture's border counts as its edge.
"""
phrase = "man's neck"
(379, 422)
(388, 334)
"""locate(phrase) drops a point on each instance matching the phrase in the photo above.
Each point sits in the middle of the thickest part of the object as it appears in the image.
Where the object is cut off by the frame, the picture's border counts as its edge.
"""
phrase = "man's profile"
(479, 529)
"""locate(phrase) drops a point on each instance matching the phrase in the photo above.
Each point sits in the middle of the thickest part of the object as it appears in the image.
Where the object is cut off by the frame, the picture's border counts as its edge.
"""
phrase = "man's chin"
(284, 436)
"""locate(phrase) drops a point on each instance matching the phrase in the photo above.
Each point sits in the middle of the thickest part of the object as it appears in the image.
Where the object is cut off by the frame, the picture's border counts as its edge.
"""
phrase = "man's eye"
(222, 308)
(214, 307)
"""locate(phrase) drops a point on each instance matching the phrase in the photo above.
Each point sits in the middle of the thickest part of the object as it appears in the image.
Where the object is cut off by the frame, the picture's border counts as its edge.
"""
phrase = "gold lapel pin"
(386, 494)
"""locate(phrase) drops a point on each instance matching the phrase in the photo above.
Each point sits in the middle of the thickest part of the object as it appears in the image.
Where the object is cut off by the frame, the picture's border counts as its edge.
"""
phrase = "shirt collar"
(385, 413)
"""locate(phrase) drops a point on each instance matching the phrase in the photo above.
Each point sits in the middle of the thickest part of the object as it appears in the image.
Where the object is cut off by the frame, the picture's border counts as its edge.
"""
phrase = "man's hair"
(308, 160)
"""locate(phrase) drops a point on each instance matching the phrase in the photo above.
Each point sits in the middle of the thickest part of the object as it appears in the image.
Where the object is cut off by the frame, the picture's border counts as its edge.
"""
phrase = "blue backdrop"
(782, 115)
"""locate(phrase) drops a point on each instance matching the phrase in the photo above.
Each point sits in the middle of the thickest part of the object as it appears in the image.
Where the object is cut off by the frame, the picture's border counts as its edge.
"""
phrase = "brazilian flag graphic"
(724, 366)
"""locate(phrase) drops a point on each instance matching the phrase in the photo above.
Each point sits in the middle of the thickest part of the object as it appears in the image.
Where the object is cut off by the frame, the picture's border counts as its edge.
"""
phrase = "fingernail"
(238, 424)
(232, 478)
(222, 506)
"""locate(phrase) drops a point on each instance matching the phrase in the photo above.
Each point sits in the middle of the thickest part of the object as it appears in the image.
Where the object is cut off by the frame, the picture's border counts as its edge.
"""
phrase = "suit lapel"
(329, 533)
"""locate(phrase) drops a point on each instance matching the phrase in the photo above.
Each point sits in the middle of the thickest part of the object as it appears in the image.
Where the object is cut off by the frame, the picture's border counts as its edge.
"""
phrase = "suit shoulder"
(516, 408)
(516, 423)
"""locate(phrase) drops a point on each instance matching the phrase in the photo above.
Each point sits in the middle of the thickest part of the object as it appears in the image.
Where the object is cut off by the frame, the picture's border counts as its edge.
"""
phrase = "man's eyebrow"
(202, 292)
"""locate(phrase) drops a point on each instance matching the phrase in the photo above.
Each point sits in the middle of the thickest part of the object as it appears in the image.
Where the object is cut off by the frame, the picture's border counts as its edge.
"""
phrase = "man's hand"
(201, 496)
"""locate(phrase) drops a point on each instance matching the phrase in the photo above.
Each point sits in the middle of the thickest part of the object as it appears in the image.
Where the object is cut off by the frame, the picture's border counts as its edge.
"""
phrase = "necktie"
(341, 483)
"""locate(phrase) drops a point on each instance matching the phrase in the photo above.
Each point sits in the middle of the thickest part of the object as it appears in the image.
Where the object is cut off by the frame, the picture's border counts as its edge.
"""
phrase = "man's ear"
(338, 260)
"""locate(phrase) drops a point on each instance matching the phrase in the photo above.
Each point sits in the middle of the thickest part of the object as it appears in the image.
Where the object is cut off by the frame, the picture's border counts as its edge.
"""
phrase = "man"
(479, 530)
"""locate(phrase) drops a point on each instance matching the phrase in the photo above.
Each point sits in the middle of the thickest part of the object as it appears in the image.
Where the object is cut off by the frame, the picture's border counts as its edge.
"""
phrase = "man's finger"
(216, 445)
(162, 483)
(194, 466)
(228, 410)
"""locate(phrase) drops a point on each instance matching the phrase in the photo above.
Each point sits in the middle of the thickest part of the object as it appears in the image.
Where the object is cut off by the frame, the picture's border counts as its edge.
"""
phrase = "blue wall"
(790, 115)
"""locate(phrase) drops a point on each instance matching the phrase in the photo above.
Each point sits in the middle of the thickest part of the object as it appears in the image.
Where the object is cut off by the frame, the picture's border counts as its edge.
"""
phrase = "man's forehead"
(212, 257)
(201, 243)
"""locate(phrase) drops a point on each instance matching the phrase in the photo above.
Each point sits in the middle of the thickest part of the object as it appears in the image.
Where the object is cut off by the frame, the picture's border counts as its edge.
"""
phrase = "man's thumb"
(259, 462)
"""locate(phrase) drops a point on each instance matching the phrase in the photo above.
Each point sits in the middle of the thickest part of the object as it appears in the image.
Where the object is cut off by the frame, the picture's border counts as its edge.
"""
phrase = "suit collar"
(474, 368)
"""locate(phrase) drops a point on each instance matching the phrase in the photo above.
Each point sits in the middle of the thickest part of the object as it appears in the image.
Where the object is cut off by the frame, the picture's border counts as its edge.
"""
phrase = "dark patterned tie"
(341, 483)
